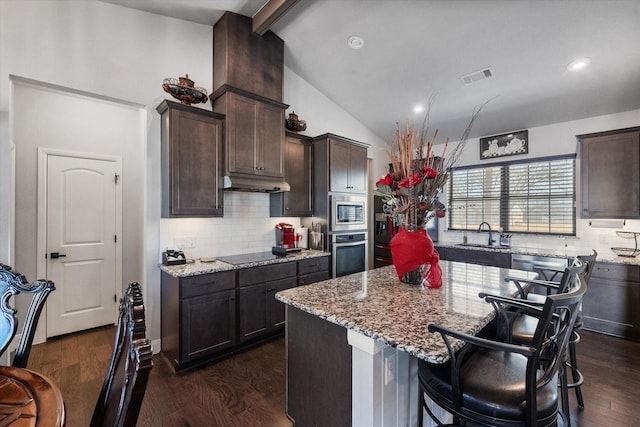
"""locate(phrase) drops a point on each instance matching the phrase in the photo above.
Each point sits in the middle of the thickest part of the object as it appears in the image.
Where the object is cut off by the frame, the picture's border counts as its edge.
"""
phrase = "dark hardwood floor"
(248, 389)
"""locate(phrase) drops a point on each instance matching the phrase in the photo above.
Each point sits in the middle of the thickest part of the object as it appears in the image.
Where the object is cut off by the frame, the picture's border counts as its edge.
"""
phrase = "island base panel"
(318, 371)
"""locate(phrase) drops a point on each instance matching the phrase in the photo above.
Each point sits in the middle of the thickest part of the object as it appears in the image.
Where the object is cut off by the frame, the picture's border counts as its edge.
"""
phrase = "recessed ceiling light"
(355, 42)
(418, 109)
(579, 64)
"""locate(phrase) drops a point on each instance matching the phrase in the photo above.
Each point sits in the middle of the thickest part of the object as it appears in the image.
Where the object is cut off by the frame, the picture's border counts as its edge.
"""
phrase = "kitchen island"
(353, 342)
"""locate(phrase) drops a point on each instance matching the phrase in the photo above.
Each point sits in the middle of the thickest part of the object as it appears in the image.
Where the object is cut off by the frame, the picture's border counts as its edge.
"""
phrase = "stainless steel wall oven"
(349, 252)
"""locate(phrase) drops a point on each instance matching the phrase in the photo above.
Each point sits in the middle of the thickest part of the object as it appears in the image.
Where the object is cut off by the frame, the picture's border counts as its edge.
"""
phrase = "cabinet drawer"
(266, 273)
(207, 283)
(610, 271)
(313, 278)
(313, 265)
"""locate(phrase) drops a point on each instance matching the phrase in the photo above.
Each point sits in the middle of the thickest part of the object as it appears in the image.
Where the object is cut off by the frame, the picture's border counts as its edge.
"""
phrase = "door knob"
(55, 255)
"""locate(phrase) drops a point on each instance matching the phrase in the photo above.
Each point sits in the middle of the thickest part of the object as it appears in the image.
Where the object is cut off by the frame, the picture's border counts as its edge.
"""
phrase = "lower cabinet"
(198, 316)
(488, 257)
(313, 270)
(260, 313)
(611, 303)
(211, 315)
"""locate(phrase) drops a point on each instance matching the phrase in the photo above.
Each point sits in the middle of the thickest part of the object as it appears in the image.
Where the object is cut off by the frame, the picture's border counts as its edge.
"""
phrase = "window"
(519, 197)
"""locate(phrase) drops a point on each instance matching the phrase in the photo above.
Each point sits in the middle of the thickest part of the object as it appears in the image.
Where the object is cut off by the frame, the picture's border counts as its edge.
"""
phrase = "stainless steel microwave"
(348, 213)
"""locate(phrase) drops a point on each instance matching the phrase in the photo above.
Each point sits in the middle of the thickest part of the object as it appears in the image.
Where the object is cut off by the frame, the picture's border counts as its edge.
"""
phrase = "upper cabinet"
(191, 161)
(254, 133)
(298, 170)
(248, 75)
(345, 163)
(610, 174)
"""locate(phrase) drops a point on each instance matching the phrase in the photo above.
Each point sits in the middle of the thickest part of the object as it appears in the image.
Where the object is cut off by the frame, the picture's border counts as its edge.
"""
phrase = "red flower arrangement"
(410, 193)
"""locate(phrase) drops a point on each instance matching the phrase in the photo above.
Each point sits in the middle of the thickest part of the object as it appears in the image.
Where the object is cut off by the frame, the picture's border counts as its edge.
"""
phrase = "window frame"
(504, 196)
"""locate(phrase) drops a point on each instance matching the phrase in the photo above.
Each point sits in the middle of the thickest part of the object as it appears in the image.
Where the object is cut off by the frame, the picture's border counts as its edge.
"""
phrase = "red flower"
(405, 182)
(387, 180)
(429, 173)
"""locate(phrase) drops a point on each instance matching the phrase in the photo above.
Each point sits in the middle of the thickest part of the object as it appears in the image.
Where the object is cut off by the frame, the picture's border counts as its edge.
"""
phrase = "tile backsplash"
(245, 228)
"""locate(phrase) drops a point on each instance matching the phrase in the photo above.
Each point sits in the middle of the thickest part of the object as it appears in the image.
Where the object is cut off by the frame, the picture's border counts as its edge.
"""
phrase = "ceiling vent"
(476, 76)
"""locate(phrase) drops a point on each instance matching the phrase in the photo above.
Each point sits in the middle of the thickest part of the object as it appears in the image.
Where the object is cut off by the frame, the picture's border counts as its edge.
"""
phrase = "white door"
(81, 248)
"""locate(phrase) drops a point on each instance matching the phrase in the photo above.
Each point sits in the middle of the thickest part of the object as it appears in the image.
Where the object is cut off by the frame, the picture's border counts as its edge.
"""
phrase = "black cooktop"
(247, 258)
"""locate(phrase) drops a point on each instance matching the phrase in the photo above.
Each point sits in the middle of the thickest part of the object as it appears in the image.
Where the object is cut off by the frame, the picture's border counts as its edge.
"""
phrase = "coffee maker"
(285, 235)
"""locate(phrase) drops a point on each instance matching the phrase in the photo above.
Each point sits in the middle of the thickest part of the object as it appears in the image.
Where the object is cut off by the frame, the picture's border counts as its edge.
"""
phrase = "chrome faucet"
(491, 241)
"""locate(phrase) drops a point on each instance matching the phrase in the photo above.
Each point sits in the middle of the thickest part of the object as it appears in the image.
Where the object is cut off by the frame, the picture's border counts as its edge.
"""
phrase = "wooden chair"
(131, 361)
(13, 283)
(493, 383)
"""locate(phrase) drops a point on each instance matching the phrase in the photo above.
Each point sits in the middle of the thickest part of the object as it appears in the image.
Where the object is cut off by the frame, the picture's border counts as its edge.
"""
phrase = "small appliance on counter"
(302, 237)
(173, 257)
(277, 250)
(285, 235)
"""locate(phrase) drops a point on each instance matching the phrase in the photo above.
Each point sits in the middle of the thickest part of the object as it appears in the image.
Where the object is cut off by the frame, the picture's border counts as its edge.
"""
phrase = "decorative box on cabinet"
(198, 316)
(342, 163)
(610, 174)
(254, 133)
(260, 314)
(191, 148)
(611, 303)
(298, 170)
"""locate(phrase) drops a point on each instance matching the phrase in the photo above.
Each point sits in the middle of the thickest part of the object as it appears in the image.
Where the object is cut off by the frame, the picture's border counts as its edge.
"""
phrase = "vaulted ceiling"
(415, 48)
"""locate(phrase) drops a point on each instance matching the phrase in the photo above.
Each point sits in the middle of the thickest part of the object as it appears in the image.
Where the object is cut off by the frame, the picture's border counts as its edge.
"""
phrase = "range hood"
(255, 185)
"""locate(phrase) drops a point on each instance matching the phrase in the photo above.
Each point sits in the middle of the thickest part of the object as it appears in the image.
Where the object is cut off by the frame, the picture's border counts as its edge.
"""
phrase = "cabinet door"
(242, 128)
(339, 166)
(208, 324)
(277, 308)
(253, 311)
(358, 169)
(191, 162)
(297, 202)
(610, 176)
(270, 156)
(611, 302)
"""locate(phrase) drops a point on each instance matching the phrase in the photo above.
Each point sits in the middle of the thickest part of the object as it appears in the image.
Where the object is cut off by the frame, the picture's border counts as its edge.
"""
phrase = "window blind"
(532, 197)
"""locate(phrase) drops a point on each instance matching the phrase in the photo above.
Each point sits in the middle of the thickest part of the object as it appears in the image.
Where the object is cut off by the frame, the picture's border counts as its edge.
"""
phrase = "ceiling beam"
(270, 13)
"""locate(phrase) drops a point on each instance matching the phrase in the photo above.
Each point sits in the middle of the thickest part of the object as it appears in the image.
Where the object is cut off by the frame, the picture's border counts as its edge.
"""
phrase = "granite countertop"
(558, 253)
(376, 304)
(198, 267)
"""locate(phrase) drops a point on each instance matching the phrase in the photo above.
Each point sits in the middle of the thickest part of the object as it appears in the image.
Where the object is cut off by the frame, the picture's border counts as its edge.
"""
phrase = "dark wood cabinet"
(475, 256)
(245, 59)
(191, 149)
(348, 171)
(198, 316)
(610, 174)
(298, 170)
(208, 316)
(340, 165)
(260, 313)
(254, 133)
(611, 303)
(313, 270)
